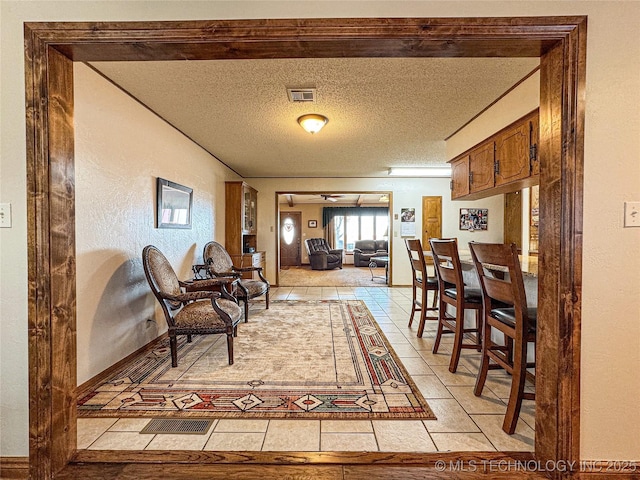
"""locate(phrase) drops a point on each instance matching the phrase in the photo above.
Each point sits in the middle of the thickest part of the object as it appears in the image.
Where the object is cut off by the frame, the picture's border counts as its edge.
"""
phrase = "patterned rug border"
(425, 414)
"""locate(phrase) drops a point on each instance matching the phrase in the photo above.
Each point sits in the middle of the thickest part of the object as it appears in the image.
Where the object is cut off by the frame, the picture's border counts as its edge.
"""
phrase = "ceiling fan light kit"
(312, 122)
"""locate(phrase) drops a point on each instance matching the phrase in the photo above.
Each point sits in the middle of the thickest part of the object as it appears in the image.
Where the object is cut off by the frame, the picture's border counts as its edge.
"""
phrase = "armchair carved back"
(217, 259)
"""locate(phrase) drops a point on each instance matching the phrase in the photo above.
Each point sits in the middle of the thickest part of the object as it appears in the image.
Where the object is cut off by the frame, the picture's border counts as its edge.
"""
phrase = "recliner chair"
(321, 257)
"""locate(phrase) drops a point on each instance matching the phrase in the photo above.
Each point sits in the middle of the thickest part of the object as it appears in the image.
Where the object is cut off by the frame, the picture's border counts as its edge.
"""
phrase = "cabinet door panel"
(481, 168)
(460, 177)
(512, 154)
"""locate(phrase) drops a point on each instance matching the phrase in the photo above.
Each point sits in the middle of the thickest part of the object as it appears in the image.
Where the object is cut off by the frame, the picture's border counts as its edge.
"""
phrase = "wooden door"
(460, 177)
(513, 219)
(512, 154)
(290, 234)
(481, 167)
(431, 222)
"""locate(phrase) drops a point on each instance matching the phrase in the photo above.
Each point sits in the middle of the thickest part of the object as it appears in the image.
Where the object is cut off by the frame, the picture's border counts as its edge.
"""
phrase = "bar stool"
(515, 320)
(423, 282)
(452, 291)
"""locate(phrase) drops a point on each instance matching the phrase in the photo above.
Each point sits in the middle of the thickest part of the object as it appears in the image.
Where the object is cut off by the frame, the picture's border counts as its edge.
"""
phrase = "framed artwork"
(173, 205)
(312, 224)
(472, 219)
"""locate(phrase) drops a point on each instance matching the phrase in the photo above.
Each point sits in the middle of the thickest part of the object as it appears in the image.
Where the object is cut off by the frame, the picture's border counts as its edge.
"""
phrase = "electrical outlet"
(5, 215)
(632, 214)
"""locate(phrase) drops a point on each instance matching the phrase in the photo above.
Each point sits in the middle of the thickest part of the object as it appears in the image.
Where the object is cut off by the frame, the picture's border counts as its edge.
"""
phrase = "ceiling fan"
(331, 198)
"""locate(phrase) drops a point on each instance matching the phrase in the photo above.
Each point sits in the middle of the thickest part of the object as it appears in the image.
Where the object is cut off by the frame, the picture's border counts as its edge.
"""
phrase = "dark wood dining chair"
(421, 284)
(453, 292)
(506, 311)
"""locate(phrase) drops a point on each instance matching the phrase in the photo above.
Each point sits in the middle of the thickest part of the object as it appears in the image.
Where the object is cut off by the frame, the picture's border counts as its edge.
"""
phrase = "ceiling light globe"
(312, 122)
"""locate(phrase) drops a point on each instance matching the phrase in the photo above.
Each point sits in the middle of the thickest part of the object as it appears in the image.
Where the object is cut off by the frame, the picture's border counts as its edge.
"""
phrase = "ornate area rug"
(299, 359)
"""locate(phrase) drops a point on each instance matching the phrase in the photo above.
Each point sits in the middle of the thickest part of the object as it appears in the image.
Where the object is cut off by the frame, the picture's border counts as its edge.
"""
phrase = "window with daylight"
(350, 228)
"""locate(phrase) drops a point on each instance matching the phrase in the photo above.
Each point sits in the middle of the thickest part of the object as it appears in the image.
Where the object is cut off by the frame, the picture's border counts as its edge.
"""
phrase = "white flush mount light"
(431, 171)
(312, 122)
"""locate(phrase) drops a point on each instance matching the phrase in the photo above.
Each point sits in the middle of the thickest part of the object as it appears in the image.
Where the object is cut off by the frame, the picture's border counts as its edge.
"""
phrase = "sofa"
(321, 257)
(365, 251)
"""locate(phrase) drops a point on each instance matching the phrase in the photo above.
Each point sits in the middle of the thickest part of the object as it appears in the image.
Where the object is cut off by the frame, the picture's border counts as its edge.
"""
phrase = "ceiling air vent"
(301, 94)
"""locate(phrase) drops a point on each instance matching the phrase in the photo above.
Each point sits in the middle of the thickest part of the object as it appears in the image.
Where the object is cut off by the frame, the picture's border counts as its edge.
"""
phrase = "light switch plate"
(5, 215)
(632, 214)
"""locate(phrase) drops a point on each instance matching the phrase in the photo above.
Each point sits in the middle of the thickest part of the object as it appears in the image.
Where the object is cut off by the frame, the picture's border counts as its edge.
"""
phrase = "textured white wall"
(610, 356)
(115, 216)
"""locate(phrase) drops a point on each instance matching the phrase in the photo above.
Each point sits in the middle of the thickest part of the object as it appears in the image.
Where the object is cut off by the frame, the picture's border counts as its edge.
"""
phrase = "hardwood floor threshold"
(296, 458)
(195, 471)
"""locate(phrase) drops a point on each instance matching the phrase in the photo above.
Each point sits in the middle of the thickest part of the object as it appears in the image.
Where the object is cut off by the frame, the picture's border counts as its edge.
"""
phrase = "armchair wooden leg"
(173, 343)
(230, 347)
(267, 299)
(188, 338)
(246, 310)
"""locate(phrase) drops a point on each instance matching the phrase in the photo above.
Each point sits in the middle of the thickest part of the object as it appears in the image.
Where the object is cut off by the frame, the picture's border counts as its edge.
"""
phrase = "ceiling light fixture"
(312, 122)
(432, 171)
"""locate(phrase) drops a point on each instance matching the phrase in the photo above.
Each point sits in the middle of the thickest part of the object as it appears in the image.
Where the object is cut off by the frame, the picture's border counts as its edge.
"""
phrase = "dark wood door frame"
(51, 48)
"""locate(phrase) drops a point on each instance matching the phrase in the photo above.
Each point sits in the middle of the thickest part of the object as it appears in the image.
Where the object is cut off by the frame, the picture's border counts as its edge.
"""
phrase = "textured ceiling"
(382, 112)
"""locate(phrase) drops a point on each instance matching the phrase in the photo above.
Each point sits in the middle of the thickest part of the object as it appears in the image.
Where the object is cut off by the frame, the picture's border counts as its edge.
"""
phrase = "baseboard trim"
(604, 469)
(100, 378)
(14, 467)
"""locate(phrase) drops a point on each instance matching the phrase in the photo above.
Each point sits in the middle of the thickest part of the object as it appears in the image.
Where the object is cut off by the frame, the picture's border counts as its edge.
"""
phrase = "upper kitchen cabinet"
(514, 151)
(460, 177)
(481, 164)
(505, 162)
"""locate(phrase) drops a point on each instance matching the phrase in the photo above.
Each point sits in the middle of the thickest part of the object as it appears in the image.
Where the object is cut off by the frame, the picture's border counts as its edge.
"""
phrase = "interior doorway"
(50, 50)
(290, 244)
(431, 222)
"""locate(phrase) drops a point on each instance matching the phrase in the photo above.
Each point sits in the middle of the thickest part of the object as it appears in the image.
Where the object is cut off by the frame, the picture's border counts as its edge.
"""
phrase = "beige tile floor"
(465, 422)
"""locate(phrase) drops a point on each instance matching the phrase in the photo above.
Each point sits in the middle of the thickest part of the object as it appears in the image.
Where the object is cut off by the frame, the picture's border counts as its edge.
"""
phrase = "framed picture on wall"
(312, 224)
(173, 205)
(472, 219)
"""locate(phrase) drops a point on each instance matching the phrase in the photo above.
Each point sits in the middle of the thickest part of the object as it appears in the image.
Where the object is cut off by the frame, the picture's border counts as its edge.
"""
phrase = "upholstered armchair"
(191, 313)
(365, 251)
(321, 257)
(219, 264)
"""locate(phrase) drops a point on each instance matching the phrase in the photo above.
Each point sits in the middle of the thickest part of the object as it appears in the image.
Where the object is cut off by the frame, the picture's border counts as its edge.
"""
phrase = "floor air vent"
(170, 425)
